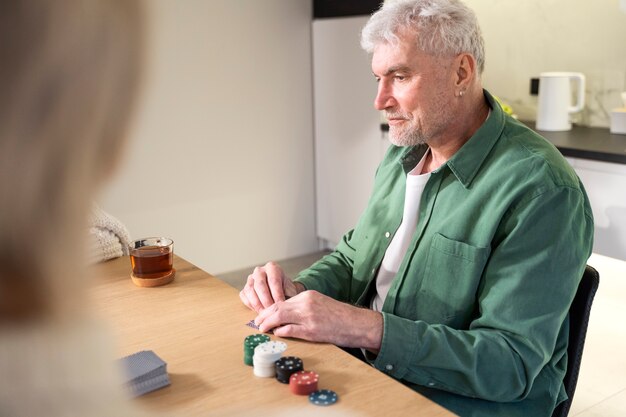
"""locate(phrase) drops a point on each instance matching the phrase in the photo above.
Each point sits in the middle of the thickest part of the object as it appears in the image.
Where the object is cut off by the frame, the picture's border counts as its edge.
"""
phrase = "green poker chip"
(255, 339)
(251, 342)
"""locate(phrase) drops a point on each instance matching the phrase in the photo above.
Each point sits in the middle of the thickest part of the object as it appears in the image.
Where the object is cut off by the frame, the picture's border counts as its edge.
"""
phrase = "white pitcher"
(555, 100)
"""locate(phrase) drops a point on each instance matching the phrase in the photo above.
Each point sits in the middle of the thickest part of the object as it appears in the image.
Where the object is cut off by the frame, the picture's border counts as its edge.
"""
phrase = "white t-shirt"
(415, 183)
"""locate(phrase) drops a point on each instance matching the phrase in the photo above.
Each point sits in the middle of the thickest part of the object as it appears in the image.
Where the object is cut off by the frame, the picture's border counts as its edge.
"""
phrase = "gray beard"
(406, 138)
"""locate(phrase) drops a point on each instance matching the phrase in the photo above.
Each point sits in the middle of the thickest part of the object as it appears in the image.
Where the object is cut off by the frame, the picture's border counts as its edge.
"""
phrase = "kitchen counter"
(594, 143)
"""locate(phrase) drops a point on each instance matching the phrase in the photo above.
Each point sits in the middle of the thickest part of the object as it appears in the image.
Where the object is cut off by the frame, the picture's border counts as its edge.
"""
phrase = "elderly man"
(459, 275)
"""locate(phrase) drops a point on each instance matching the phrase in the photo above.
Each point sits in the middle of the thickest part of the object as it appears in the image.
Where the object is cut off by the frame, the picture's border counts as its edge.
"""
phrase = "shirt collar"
(466, 162)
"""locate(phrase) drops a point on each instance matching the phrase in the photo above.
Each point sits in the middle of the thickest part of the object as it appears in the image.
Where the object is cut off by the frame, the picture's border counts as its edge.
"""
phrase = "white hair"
(441, 27)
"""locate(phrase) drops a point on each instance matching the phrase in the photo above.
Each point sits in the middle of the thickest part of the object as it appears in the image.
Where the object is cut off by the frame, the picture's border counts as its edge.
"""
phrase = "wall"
(525, 38)
(221, 157)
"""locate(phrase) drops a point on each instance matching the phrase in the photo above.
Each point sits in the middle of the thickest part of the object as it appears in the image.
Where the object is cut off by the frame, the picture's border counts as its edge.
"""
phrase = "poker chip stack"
(265, 356)
(303, 382)
(250, 343)
(287, 366)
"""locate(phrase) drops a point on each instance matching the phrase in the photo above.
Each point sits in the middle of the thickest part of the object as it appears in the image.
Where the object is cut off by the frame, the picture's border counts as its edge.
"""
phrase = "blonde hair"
(441, 27)
(68, 82)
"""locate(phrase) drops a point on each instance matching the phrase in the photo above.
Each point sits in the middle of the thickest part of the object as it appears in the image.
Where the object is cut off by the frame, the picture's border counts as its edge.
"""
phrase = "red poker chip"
(303, 382)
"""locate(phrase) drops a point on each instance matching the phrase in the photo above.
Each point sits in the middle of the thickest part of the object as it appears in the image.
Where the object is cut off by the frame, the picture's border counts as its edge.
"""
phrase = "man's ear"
(465, 66)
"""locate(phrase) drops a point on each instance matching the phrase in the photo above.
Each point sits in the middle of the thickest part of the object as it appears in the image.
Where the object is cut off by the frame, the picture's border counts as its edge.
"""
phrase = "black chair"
(578, 321)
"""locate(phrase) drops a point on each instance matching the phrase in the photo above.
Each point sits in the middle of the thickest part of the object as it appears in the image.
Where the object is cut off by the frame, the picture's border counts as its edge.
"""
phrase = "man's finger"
(289, 330)
(290, 289)
(275, 280)
(244, 300)
(274, 316)
(261, 288)
(251, 296)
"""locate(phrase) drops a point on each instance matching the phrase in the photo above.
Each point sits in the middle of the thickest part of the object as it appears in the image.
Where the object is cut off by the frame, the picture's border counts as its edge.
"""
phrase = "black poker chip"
(323, 397)
(287, 366)
(289, 363)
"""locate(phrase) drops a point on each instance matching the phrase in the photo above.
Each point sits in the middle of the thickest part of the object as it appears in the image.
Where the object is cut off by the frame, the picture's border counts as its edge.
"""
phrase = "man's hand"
(267, 285)
(316, 317)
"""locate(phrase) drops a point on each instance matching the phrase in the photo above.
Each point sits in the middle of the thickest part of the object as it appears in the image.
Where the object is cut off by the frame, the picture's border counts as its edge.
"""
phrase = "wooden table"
(197, 325)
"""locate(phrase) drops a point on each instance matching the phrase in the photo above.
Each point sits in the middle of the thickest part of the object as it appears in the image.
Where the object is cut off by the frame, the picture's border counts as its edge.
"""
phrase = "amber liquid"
(151, 261)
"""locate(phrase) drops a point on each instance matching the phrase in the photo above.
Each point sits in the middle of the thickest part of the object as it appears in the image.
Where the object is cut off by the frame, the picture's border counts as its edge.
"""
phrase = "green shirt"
(475, 318)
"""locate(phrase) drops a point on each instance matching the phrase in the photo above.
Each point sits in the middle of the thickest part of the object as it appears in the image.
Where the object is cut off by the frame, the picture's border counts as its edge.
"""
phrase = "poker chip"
(323, 397)
(263, 371)
(260, 361)
(287, 366)
(255, 339)
(303, 382)
(250, 343)
(263, 368)
(269, 351)
(265, 355)
(289, 363)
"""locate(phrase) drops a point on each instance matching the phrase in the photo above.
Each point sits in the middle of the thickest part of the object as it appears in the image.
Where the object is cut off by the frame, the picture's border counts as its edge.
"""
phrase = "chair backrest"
(578, 321)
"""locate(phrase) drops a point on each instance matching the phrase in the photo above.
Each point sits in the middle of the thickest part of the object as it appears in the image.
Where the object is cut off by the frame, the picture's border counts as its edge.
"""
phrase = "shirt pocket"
(451, 277)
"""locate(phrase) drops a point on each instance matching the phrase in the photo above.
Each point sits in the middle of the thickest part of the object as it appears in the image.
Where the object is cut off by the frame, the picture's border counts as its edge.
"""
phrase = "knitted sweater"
(108, 237)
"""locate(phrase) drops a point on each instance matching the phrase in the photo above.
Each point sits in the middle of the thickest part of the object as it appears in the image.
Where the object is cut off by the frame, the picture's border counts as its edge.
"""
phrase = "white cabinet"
(606, 186)
(348, 141)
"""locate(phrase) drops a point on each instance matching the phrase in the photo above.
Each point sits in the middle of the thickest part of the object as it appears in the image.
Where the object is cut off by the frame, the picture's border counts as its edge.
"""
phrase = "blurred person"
(458, 278)
(69, 72)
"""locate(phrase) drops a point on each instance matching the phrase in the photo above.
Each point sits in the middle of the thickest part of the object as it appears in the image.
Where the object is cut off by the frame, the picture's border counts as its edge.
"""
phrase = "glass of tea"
(152, 260)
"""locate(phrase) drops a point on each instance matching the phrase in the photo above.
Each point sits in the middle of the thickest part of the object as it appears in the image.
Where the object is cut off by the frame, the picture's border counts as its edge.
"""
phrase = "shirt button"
(387, 234)
(389, 367)
(431, 384)
(373, 271)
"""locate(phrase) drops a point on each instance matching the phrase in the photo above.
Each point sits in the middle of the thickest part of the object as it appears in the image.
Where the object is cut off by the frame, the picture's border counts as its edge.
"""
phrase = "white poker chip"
(269, 351)
(261, 361)
(271, 347)
(264, 372)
